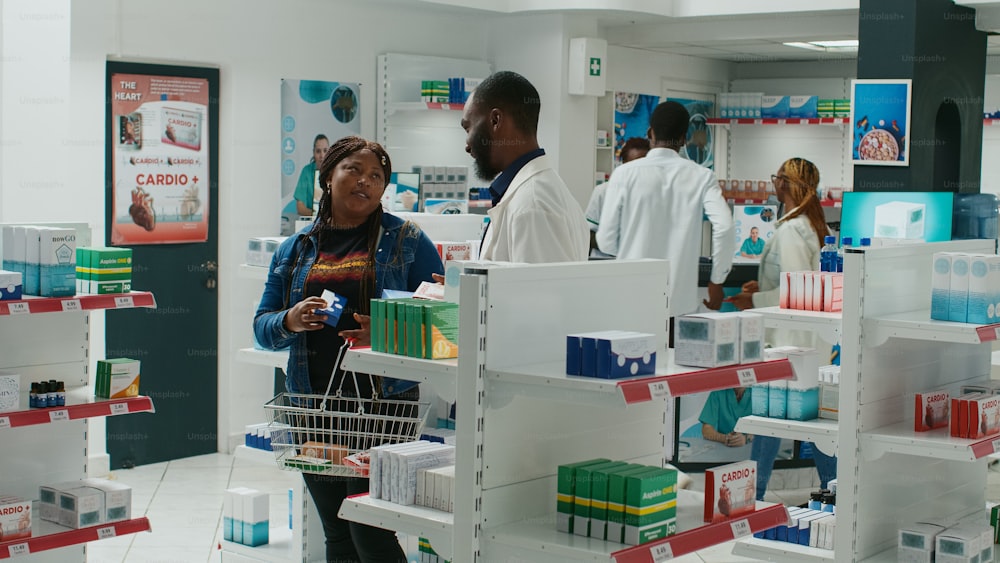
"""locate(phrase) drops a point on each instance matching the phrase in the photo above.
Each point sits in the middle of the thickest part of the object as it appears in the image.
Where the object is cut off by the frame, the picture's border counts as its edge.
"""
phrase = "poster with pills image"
(880, 122)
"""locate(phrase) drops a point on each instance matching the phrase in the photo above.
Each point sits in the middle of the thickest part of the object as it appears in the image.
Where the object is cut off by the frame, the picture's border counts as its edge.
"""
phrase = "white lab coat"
(537, 221)
(653, 208)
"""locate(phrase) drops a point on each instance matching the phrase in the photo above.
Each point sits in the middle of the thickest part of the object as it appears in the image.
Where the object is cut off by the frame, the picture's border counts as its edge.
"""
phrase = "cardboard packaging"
(583, 497)
(941, 286)
(650, 506)
(983, 282)
(931, 410)
(11, 285)
(117, 499)
(10, 391)
(984, 416)
(117, 378)
(900, 220)
(759, 399)
(615, 521)
(81, 507)
(255, 518)
(566, 492)
(626, 355)
(57, 262)
(600, 498)
(730, 491)
(803, 107)
(917, 543)
(751, 337)
(32, 258)
(706, 340)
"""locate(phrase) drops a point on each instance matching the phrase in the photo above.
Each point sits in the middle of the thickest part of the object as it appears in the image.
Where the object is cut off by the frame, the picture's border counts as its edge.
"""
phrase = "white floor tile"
(196, 517)
(185, 502)
(122, 541)
(207, 460)
(168, 555)
(175, 536)
(722, 553)
(215, 474)
(106, 554)
(151, 472)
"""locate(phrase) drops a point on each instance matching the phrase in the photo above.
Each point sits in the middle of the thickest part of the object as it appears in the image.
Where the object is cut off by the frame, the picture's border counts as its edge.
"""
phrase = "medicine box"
(453, 250)
(617, 480)
(759, 399)
(600, 498)
(19, 260)
(959, 544)
(433, 455)
(81, 507)
(117, 498)
(15, 518)
(379, 469)
(7, 253)
(900, 220)
(730, 491)
(440, 330)
(117, 378)
(917, 542)
(777, 399)
(566, 492)
(706, 340)
(57, 262)
(931, 410)
(11, 285)
(751, 337)
(774, 107)
(101, 270)
(803, 389)
(833, 292)
(941, 286)
(804, 107)
(650, 506)
(10, 391)
(582, 498)
(230, 519)
(48, 499)
(625, 355)
(32, 256)
(255, 518)
(984, 416)
(983, 283)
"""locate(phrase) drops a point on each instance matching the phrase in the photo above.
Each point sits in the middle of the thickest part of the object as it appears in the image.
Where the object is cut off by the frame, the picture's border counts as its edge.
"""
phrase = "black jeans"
(350, 542)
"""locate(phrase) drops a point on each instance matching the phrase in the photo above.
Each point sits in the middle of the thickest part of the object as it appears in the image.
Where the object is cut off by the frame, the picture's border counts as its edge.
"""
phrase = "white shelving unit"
(826, 325)
(270, 358)
(44, 446)
(821, 432)
(520, 416)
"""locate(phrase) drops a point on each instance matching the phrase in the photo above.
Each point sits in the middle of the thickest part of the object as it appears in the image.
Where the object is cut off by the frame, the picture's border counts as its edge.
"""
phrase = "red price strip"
(18, 549)
(71, 305)
(124, 301)
(659, 390)
(747, 377)
(741, 529)
(119, 408)
(105, 533)
(19, 308)
(56, 416)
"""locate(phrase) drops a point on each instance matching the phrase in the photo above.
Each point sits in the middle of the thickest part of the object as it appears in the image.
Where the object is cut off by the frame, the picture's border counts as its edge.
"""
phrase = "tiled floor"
(183, 500)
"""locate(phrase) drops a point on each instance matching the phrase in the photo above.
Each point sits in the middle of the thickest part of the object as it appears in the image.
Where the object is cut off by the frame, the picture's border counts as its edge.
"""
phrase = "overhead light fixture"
(837, 46)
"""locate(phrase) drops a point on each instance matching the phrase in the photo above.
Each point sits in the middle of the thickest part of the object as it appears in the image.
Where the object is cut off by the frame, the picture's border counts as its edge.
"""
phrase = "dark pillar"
(936, 44)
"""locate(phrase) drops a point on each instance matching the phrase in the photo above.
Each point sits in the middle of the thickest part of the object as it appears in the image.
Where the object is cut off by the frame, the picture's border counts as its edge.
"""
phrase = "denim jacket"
(399, 264)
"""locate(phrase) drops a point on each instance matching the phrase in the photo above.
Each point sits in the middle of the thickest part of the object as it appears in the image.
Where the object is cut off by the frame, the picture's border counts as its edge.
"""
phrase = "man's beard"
(481, 149)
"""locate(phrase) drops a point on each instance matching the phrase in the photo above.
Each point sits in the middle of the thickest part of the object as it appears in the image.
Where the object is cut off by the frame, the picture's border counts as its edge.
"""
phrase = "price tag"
(119, 408)
(124, 301)
(747, 377)
(61, 414)
(741, 529)
(71, 305)
(661, 553)
(4, 422)
(758, 121)
(19, 308)
(997, 333)
(18, 549)
(996, 446)
(659, 390)
(106, 532)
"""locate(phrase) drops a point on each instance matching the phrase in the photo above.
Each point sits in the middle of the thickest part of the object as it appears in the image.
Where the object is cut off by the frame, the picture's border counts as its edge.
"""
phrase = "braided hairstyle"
(800, 185)
(323, 227)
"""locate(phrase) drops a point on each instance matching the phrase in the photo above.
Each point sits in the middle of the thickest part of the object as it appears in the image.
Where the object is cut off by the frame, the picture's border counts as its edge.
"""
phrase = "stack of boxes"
(85, 503)
(245, 517)
(610, 354)
(965, 288)
(418, 328)
(434, 91)
(812, 291)
(101, 270)
(794, 399)
(942, 542)
(409, 473)
(258, 436)
(751, 105)
(444, 189)
(806, 526)
(260, 250)
(616, 501)
(117, 378)
(38, 261)
(712, 340)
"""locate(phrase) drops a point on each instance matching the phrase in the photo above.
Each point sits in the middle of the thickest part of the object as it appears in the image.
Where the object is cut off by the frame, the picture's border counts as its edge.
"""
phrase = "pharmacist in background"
(355, 250)
(723, 409)
(534, 217)
(634, 148)
(653, 208)
(795, 246)
(305, 189)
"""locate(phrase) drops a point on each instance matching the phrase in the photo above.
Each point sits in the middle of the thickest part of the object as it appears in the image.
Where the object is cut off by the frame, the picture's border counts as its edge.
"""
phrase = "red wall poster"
(160, 159)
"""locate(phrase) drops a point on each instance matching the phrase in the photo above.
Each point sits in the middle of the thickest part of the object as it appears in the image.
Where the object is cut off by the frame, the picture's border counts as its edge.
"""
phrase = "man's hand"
(715, 296)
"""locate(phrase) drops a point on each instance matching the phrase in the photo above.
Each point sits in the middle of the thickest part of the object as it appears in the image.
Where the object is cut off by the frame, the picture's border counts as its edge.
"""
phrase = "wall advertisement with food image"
(160, 159)
(880, 120)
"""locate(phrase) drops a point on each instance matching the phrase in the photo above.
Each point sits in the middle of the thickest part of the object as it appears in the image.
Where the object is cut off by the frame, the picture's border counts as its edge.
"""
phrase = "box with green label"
(414, 329)
(440, 330)
(378, 325)
(583, 498)
(616, 499)
(600, 500)
(650, 506)
(566, 492)
(117, 378)
(103, 270)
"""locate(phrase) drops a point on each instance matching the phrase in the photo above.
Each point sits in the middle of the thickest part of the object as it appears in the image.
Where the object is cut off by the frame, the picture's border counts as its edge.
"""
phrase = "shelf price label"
(659, 390)
(747, 377)
(106, 532)
(56, 416)
(124, 301)
(71, 305)
(996, 333)
(119, 408)
(996, 446)
(18, 549)
(661, 553)
(741, 529)
(4, 422)
(19, 308)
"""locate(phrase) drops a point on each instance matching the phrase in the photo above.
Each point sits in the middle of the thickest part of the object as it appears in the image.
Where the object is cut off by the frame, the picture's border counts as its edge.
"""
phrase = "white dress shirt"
(653, 208)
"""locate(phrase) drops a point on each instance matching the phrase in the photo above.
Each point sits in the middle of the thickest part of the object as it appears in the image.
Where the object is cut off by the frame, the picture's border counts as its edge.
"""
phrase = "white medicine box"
(706, 340)
(900, 219)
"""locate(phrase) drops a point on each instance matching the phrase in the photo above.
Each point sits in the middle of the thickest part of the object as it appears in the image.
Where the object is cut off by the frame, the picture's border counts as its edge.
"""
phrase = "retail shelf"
(435, 525)
(82, 407)
(276, 359)
(692, 535)
(820, 431)
(603, 148)
(990, 121)
(782, 552)
(52, 536)
(938, 444)
(254, 455)
(918, 325)
(278, 547)
(891, 556)
(364, 360)
(827, 325)
(33, 305)
(670, 380)
(423, 106)
(254, 272)
(779, 121)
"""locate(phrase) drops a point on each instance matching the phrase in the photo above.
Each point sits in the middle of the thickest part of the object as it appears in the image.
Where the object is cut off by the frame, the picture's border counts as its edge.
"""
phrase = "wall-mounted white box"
(587, 66)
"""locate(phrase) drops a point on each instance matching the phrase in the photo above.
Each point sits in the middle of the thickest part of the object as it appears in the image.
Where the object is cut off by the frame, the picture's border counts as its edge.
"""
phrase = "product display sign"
(880, 120)
(160, 159)
(754, 227)
(310, 111)
(918, 216)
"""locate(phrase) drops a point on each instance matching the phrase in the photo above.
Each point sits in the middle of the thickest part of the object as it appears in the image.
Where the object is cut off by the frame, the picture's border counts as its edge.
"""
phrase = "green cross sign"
(595, 66)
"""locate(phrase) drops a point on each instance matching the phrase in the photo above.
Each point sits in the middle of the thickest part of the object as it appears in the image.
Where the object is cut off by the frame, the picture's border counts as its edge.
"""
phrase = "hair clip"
(383, 160)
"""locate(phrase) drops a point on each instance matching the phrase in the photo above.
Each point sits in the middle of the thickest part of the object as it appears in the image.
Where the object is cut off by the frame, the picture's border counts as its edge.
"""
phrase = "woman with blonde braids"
(356, 251)
(795, 246)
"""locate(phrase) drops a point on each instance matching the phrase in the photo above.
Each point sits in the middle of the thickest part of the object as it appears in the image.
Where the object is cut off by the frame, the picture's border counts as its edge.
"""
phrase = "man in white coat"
(534, 217)
(653, 208)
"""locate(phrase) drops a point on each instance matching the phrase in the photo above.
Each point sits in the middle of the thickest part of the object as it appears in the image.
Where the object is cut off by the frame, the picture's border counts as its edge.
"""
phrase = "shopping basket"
(327, 434)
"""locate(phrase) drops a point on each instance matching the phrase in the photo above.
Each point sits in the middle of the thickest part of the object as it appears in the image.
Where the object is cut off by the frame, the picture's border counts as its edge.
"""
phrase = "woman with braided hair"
(795, 246)
(355, 250)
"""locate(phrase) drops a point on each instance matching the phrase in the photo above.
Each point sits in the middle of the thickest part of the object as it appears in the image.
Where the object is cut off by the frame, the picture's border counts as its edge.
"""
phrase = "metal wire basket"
(318, 433)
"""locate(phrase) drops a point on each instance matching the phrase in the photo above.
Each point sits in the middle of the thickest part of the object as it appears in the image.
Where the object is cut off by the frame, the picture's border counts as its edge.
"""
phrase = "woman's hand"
(742, 300)
(303, 316)
(438, 278)
(750, 287)
(361, 336)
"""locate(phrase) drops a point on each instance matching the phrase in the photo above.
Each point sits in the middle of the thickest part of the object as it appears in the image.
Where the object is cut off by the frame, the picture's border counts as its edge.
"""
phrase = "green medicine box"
(600, 497)
(616, 499)
(583, 499)
(566, 492)
(650, 506)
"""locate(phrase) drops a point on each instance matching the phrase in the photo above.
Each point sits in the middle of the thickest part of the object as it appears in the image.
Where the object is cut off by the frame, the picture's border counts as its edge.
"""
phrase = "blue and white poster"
(314, 114)
(632, 113)
(880, 120)
(699, 146)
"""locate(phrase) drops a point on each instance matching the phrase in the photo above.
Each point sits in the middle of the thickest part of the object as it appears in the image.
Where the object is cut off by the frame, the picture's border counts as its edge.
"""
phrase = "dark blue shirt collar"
(502, 182)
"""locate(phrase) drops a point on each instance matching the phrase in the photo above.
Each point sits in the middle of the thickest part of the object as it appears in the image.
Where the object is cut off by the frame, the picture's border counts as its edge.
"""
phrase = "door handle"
(210, 265)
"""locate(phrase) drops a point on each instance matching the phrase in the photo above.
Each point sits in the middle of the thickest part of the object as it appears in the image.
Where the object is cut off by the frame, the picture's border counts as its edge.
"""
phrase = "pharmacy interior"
(204, 143)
